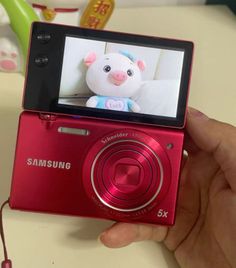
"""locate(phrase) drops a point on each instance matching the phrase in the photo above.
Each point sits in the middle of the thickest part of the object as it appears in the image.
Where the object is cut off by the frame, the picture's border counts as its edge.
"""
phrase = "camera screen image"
(121, 77)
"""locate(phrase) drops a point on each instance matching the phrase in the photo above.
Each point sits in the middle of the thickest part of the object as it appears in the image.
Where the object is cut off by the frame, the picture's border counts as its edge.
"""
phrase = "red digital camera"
(103, 127)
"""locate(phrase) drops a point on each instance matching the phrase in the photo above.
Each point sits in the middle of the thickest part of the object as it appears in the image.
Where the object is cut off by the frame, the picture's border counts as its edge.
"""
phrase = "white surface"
(159, 97)
(37, 240)
(170, 65)
(136, 3)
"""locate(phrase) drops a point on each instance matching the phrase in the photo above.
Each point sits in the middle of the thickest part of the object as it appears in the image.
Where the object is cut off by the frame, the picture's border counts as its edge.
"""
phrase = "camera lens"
(127, 172)
(127, 176)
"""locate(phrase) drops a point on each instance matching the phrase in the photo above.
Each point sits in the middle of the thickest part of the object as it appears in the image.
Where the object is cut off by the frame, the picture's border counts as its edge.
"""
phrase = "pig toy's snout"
(117, 77)
(8, 65)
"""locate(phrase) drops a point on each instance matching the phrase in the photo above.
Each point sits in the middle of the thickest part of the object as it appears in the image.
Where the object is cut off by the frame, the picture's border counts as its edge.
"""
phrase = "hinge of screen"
(48, 117)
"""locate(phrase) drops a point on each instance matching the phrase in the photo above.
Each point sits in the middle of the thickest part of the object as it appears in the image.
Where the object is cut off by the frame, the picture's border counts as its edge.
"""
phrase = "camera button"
(41, 60)
(43, 37)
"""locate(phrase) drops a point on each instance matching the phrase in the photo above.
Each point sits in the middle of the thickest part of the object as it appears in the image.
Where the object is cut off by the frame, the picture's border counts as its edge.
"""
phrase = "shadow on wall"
(230, 3)
(87, 231)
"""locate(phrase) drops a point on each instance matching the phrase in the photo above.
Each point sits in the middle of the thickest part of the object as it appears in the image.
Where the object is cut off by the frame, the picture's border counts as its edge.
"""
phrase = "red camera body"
(108, 170)
(83, 161)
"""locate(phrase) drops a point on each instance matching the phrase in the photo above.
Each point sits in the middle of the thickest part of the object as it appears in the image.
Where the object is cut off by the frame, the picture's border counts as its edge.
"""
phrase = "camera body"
(75, 159)
(107, 170)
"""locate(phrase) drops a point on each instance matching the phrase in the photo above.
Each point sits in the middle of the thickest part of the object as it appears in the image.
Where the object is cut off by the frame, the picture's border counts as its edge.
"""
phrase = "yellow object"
(49, 14)
(97, 13)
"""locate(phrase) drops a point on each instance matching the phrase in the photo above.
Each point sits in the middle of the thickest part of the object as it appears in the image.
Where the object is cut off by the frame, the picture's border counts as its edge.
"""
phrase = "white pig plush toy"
(114, 78)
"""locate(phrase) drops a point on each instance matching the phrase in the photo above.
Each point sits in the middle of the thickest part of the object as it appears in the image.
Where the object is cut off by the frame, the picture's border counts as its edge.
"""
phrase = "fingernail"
(196, 113)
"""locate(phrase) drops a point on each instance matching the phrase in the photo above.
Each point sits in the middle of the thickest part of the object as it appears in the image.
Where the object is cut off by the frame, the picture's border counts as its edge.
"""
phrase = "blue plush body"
(114, 103)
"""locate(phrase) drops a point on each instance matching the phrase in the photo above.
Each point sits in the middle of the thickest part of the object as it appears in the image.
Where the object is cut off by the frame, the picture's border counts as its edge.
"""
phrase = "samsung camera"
(102, 130)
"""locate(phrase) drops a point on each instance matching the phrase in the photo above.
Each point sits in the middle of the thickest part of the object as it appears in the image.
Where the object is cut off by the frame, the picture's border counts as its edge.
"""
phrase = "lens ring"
(99, 158)
(100, 193)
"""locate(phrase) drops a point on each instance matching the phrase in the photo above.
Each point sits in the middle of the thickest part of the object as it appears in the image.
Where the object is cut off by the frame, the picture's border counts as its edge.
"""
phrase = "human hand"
(204, 234)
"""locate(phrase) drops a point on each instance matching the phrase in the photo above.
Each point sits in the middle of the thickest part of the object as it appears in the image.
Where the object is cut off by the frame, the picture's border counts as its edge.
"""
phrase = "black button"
(41, 60)
(43, 37)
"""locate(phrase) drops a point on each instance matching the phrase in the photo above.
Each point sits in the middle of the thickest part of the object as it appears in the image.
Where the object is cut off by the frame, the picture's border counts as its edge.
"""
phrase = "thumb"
(122, 234)
(216, 138)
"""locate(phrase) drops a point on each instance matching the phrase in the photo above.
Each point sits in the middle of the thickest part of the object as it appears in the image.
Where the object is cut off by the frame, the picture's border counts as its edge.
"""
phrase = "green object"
(21, 16)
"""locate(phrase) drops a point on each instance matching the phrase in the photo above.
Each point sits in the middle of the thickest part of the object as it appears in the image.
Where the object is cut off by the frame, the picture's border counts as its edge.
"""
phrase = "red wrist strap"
(6, 263)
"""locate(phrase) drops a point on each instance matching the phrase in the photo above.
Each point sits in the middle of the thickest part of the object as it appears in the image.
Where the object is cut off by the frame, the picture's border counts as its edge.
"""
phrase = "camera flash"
(74, 131)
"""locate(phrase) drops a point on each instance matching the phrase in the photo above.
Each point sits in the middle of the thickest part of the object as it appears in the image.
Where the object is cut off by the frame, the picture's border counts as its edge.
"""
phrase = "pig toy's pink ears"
(90, 58)
(141, 64)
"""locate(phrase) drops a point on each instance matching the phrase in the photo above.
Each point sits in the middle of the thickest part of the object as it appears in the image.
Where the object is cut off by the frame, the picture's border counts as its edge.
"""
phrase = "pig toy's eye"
(107, 68)
(130, 72)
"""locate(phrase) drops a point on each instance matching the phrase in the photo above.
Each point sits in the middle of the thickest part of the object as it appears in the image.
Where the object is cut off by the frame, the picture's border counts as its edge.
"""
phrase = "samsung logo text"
(48, 163)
